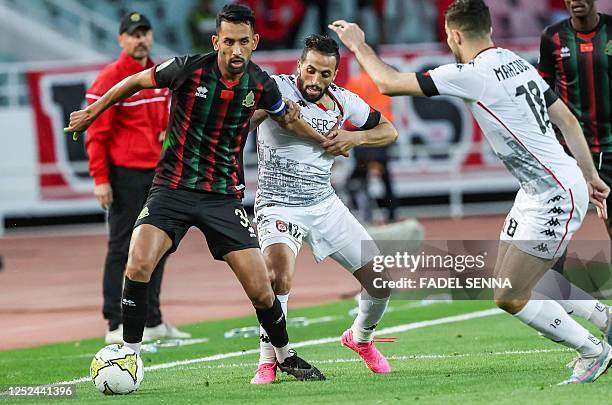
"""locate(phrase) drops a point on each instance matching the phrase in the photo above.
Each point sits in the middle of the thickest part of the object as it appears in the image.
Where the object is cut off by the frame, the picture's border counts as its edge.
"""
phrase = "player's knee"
(262, 299)
(282, 283)
(139, 267)
(512, 306)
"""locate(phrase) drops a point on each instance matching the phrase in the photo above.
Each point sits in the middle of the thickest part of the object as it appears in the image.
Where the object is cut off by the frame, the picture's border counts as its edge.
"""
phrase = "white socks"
(267, 352)
(549, 318)
(573, 299)
(371, 311)
(133, 346)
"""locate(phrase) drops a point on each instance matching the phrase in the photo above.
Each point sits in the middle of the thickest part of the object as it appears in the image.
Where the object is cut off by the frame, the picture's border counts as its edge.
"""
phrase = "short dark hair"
(322, 44)
(236, 13)
(470, 16)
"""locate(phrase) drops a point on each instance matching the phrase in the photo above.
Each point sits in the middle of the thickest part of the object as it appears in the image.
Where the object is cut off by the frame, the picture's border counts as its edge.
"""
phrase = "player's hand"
(333, 132)
(294, 112)
(79, 122)
(349, 33)
(341, 142)
(162, 136)
(598, 192)
(104, 194)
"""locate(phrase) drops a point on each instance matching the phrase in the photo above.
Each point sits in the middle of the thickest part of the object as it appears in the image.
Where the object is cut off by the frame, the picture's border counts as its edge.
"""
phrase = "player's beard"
(308, 97)
(236, 70)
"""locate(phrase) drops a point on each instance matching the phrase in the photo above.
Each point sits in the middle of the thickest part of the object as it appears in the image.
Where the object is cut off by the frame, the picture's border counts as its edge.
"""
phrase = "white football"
(116, 370)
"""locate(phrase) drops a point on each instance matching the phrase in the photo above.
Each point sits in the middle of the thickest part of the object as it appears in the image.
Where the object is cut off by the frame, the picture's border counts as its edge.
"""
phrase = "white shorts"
(328, 227)
(543, 225)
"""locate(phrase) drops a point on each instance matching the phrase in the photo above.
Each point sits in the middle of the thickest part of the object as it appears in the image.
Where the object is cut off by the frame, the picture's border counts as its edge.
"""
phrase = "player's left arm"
(389, 81)
(563, 118)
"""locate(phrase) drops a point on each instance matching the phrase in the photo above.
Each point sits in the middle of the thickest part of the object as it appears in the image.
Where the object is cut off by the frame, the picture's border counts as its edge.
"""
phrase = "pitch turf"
(489, 359)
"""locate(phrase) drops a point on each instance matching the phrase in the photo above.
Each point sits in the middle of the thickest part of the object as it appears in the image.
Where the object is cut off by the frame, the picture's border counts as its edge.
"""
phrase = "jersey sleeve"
(357, 111)
(458, 80)
(549, 94)
(546, 62)
(271, 99)
(171, 73)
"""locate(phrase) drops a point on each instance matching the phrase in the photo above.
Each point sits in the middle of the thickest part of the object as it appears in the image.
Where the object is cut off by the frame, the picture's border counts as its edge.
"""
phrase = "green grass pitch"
(490, 359)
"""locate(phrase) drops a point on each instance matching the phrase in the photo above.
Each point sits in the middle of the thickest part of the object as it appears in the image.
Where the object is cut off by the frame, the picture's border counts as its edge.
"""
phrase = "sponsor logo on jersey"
(201, 91)
(143, 213)
(609, 48)
(565, 52)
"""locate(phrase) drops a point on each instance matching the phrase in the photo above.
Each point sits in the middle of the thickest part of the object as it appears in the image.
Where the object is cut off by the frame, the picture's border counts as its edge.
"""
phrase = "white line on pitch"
(316, 342)
(400, 358)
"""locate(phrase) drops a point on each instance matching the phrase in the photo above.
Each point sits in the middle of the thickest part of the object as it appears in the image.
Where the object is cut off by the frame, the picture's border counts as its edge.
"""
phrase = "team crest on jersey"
(609, 48)
(281, 226)
(249, 100)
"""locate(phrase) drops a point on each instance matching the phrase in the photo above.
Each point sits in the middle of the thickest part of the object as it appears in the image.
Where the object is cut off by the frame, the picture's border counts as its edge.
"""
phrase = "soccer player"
(575, 62)
(295, 201)
(198, 181)
(123, 170)
(514, 107)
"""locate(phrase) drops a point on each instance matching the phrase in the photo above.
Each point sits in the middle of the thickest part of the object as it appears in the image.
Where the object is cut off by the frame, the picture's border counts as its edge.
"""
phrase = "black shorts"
(603, 163)
(222, 219)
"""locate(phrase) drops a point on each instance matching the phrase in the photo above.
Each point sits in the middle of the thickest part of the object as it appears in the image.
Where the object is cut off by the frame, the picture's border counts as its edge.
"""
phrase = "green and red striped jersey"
(209, 122)
(577, 65)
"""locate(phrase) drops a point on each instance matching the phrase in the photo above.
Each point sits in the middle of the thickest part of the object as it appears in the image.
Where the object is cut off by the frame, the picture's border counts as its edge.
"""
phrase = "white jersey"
(509, 100)
(293, 171)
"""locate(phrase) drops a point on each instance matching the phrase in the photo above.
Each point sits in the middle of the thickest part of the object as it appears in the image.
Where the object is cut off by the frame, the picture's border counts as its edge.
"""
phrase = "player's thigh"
(543, 225)
(225, 225)
(170, 211)
(522, 270)
(280, 262)
(344, 239)
(282, 225)
(250, 269)
(147, 246)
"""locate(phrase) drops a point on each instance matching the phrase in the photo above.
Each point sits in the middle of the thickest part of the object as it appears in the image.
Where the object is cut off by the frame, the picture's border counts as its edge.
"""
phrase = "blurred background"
(51, 50)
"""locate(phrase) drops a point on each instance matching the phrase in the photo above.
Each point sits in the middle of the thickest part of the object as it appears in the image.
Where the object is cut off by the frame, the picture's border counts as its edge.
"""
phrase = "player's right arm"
(563, 118)
(389, 81)
(82, 119)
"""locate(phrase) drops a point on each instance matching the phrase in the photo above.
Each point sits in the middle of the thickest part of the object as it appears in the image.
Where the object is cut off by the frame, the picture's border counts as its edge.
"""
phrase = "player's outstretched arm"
(563, 118)
(388, 80)
(82, 119)
(340, 142)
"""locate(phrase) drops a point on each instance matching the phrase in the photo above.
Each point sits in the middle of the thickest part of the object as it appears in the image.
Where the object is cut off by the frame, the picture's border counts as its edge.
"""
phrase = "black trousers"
(130, 191)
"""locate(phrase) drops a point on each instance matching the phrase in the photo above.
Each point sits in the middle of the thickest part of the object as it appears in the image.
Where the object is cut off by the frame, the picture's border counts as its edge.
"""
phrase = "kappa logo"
(128, 303)
(556, 210)
(201, 91)
(549, 232)
(144, 213)
(565, 52)
(542, 247)
(249, 100)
